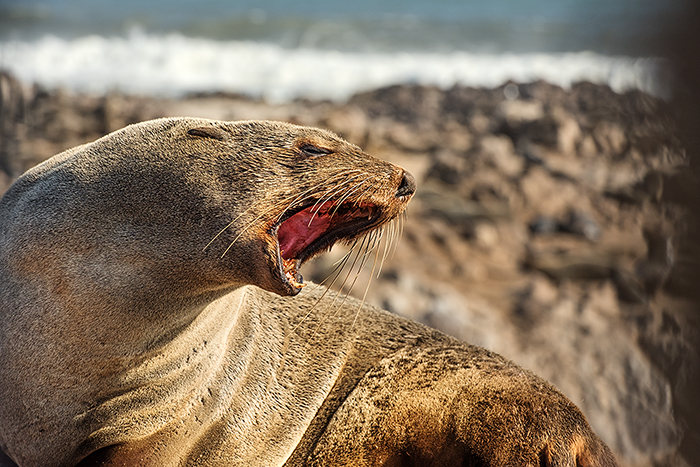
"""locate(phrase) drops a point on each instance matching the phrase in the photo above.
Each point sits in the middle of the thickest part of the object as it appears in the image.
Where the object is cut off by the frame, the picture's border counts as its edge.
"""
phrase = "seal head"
(332, 191)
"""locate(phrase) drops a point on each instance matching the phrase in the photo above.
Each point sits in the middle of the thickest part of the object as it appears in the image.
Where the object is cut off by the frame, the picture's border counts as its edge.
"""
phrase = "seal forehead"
(282, 134)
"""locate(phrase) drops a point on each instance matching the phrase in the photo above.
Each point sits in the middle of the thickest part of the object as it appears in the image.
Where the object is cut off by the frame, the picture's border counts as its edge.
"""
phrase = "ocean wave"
(175, 65)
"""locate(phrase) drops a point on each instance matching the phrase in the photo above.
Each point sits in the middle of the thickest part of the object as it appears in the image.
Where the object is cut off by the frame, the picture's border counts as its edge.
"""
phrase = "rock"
(456, 136)
(568, 132)
(12, 126)
(456, 209)
(486, 235)
(545, 225)
(653, 271)
(406, 104)
(610, 138)
(580, 223)
(577, 223)
(551, 196)
(479, 123)
(629, 289)
(447, 168)
(577, 266)
(350, 123)
(499, 151)
(518, 112)
(413, 139)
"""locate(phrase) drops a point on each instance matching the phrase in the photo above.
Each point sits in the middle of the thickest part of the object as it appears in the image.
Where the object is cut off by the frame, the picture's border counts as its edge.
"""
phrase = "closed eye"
(313, 151)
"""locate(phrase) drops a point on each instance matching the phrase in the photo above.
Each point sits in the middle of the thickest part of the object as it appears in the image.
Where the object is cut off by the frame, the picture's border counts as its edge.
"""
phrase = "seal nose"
(407, 186)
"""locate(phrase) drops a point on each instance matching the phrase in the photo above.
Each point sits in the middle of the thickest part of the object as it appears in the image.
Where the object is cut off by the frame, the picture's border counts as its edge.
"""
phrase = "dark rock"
(447, 168)
(12, 124)
(545, 225)
(628, 287)
(407, 104)
(559, 266)
(580, 223)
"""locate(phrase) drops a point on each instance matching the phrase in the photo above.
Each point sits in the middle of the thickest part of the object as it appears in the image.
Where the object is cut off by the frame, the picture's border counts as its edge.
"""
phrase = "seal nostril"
(407, 186)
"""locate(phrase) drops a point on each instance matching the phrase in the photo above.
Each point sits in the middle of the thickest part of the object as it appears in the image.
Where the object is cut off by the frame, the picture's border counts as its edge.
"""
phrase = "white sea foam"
(173, 65)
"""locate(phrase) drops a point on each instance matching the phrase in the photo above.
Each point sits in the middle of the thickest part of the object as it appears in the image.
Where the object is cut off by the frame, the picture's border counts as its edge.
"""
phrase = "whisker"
(295, 200)
(346, 254)
(303, 195)
(390, 240)
(362, 249)
(324, 199)
(369, 282)
(340, 289)
(337, 270)
(357, 249)
(227, 226)
(244, 229)
(357, 256)
(242, 214)
(336, 188)
(349, 193)
(367, 251)
(386, 247)
(401, 221)
(359, 197)
(338, 266)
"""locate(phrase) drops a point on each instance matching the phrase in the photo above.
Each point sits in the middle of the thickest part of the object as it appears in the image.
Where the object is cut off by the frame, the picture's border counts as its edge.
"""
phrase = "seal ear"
(208, 132)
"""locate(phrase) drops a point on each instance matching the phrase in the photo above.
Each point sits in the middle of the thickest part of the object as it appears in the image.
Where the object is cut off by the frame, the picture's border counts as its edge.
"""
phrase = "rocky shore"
(550, 225)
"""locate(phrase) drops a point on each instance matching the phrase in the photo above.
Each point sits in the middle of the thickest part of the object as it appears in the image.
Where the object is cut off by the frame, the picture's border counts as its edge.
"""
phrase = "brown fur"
(145, 320)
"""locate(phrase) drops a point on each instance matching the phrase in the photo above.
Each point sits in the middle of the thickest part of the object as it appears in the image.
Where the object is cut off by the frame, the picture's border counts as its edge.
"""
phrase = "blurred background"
(555, 145)
(274, 49)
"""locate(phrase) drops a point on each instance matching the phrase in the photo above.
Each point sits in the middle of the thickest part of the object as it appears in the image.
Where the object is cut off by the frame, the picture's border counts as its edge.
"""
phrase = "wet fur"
(143, 321)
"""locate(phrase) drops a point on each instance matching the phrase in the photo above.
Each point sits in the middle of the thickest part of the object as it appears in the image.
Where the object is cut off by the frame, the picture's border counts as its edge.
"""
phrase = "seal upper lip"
(304, 233)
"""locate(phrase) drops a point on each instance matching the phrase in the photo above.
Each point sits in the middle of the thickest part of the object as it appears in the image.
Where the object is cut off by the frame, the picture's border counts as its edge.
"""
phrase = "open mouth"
(311, 230)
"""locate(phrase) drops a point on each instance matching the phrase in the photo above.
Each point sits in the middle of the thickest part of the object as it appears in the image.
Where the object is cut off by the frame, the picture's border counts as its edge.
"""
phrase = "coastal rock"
(12, 127)
(500, 152)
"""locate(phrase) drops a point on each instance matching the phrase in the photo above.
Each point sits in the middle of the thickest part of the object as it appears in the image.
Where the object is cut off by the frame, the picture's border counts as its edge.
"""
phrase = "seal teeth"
(294, 282)
(290, 271)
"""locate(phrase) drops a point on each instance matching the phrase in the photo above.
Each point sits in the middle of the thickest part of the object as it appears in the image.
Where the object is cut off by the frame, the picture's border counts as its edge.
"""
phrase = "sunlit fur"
(146, 319)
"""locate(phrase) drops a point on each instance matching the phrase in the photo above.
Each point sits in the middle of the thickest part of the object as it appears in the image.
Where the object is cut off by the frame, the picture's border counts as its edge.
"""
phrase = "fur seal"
(152, 314)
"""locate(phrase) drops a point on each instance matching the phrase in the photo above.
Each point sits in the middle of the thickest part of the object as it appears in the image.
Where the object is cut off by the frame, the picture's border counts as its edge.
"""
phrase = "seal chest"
(150, 316)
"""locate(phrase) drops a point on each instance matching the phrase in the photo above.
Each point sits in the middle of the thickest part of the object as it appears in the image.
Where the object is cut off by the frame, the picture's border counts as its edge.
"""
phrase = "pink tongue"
(295, 233)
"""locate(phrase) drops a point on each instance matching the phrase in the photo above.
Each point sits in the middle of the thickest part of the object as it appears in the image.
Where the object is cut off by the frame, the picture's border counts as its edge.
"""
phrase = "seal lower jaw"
(294, 278)
(311, 230)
